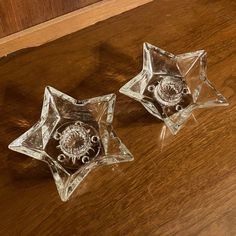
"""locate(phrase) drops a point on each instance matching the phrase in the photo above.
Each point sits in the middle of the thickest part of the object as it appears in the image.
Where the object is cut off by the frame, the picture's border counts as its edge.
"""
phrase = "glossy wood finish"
(66, 24)
(17, 15)
(182, 185)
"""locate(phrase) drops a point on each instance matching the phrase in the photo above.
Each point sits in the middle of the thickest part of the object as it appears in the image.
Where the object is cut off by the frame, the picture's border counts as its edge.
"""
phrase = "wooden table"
(17, 15)
(182, 185)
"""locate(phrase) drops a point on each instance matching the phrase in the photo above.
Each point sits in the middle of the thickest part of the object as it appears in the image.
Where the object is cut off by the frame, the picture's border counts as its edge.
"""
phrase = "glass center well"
(169, 91)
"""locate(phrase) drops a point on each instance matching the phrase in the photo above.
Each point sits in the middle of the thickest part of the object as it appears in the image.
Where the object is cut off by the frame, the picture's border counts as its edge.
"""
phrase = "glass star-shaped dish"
(170, 87)
(73, 137)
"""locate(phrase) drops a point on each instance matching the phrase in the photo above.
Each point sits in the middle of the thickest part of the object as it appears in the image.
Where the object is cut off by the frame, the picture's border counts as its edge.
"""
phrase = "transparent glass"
(170, 87)
(73, 137)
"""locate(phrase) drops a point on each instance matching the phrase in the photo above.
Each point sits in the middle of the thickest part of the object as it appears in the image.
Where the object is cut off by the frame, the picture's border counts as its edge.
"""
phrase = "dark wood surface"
(17, 15)
(182, 185)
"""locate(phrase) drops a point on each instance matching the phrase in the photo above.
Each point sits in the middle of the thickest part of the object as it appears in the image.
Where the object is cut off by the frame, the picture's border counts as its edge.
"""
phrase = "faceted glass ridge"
(170, 87)
(73, 137)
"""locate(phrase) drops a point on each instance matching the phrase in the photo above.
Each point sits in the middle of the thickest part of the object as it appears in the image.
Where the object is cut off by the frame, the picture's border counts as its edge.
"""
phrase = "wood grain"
(66, 24)
(184, 185)
(17, 15)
